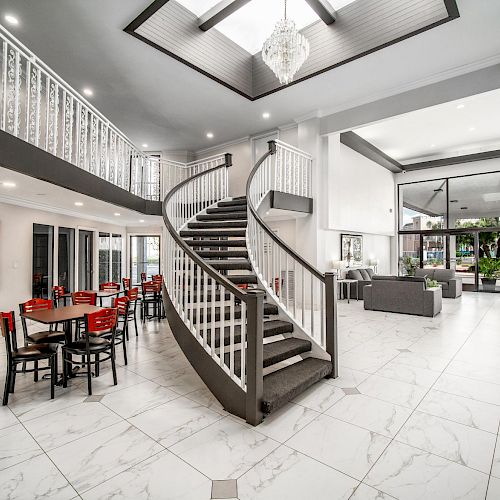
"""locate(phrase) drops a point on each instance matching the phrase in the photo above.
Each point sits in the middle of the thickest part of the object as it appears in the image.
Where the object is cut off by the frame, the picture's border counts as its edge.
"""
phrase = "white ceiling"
(42, 195)
(466, 126)
(157, 100)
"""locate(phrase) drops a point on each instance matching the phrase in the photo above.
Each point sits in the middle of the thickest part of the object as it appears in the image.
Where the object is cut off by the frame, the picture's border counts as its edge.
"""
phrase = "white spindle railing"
(205, 301)
(297, 287)
(39, 107)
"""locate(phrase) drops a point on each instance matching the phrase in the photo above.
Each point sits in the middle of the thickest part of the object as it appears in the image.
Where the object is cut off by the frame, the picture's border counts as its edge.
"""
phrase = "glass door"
(463, 259)
(85, 259)
(43, 258)
(66, 258)
(144, 257)
(489, 261)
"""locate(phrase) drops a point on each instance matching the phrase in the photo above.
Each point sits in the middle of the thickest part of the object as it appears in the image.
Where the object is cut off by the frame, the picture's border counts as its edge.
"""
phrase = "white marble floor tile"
(224, 450)
(477, 370)
(35, 479)
(393, 391)
(204, 397)
(370, 413)
(137, 354)
(493, 489)
(156, 367)
(93, 459)
(345, 447)
(138, 398)
(459, 443)
(365, 492)
(163, 476)
(419, 360)
(173, 421)
(7, 418)
(16, 445)
(468, 388)
(286, 422)
(364, 361)
(495, 468)
(347, 378)
(71, 423)
(320, 396)
(465, 411)
(408, 473)
(409, 374)
(104, 383)
(182, 381)
(286, 474)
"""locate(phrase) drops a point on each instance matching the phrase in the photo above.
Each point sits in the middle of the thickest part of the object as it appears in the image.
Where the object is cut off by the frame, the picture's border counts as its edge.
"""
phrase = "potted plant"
(490, 270)
(431, 283)
(409, 265)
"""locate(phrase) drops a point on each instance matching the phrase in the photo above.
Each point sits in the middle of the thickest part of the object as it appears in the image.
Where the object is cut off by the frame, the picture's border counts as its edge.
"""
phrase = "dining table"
(100, 294)
(64, 315)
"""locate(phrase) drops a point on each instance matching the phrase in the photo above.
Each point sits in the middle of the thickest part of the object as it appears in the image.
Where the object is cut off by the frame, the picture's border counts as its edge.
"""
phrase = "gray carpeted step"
(216, 243)
(282, 386)
(222, 216)
(271, 328)
(234, 224)
(232, 203)
(269, 309)
(230, 265)
(214, 254)
(274, 352)
(230, 209)
(197, 233)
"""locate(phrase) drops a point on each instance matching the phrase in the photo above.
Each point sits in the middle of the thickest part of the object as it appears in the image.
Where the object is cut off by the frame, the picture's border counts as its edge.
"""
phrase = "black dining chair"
(22, 355)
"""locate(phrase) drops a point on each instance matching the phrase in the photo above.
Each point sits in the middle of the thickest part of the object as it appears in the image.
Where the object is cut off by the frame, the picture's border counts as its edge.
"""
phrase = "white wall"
(16, 248)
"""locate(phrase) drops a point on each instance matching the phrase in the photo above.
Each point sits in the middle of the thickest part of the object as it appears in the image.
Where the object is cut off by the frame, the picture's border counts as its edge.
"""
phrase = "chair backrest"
(150, 287)
(8, 329)
(110, 286)
(57, 293)
(84, 297)
(121, 304)
(144, 277)
(35, 305)
(157, 278)
(126, 283)
(133, 294)
(101, 321)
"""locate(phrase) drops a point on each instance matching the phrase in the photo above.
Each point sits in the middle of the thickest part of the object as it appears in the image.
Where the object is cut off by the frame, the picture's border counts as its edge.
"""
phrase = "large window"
(104, 257)
(110, 257)
(66, 258)
(43, 259)
(116, 258)
(144, 256)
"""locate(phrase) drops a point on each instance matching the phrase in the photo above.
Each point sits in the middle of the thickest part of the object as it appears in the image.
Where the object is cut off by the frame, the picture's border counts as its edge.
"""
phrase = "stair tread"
(213, 232)
(216, 243)
(232, 203)
(239, 215)
(274, 352)
(211, 254)
(229, 209)
(283, 385)
(229, 224)
(230, 264)
(271, 328)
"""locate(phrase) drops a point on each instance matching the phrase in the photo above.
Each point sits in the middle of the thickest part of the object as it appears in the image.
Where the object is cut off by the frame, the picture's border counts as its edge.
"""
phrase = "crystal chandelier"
(285, 50)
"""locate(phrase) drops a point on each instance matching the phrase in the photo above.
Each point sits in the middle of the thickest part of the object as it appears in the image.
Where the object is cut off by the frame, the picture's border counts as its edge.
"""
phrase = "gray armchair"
(450, 284)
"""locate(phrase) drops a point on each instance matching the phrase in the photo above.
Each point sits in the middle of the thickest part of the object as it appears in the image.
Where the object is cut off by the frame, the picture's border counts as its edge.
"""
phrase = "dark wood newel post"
(331, 320)
(228, 159)
(254, 356)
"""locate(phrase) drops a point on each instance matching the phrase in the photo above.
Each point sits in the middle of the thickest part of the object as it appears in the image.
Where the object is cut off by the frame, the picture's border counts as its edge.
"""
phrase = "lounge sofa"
(363, 277)
(451, 285)
(402, 295)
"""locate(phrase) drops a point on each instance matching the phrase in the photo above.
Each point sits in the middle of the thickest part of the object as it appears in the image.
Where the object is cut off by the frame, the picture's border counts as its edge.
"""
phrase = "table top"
(61, 314)
(99, 293)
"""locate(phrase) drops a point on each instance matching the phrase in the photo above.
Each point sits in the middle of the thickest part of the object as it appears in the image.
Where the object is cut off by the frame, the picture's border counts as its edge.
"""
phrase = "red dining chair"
(98, 338)
(126, 283)
(57, 293)
(111, 286)
(144, 277)
(121, 304)
(133, 296)
(158, 279)
(84, 297)
(28, 354)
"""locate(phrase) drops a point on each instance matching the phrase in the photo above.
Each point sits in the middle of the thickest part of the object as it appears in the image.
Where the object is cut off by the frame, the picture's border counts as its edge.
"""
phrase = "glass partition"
(43, 260)
(66, 258)
(144, 257)
(104, 257)
(116, 258)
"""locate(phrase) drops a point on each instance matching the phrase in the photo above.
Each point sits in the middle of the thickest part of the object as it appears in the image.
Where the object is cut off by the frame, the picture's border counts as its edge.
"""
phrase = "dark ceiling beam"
(219, 12)
(358, 144)
(324, 10)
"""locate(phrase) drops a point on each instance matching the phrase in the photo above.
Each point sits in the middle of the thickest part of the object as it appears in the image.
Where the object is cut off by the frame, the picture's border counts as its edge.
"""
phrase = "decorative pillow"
(370, 272)
(354, 274)
(365, 275)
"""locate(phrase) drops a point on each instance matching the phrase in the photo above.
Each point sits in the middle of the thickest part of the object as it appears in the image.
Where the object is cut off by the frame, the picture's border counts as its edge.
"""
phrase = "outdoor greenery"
(409, 265)
(489, 268)
(431, 283)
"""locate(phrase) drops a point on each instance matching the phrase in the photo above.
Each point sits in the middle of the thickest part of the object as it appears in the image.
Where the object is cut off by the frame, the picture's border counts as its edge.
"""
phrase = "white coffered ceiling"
(159, 101)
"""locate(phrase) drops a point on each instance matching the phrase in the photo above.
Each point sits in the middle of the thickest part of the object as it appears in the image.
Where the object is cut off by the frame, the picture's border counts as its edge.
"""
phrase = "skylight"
(251, 25)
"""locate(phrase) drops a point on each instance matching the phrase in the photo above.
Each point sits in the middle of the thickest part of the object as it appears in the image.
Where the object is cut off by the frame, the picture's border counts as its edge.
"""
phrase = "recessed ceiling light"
(12, 19)
(461, 106)
(78, 204)
(210, 135)
(9, 184)
(117, 214)
(145, 145)
(141, 220)
(433, 145)
(88, 92)
(266, 115)
(472, 129)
